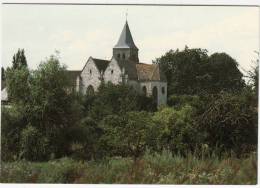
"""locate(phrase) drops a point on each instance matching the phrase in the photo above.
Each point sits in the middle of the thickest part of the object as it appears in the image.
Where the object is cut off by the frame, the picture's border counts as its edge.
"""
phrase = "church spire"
(125, 49)
(125, 39)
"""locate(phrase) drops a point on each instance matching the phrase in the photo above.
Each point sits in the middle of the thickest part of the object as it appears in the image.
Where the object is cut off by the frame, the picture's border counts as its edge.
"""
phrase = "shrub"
(230, 122)
(33, 144)
(12, 123)
(176, 129)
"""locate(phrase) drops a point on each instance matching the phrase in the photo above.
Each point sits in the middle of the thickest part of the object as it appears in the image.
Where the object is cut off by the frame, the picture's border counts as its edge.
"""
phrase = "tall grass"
(152, 168)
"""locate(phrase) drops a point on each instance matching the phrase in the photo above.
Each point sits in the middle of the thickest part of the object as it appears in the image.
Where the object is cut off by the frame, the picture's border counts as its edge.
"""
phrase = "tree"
(230, 123)
(18, 86)
(51, 107)
(176, 130)
(116, 99)
(17, 78)
(127, 135)
(253, 75)
(224, 74)
(192, 71)
(2, 78)
(181, 69)
(19, 60)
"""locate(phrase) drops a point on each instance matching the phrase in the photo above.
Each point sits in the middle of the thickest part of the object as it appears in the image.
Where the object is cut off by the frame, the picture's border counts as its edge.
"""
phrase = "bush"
(230, 122)
(34, 145)
(12, 123)
(152, 168)
(176, 129)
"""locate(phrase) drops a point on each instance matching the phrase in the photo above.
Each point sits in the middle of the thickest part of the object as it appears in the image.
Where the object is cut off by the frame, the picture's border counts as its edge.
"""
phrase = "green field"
(150, 169)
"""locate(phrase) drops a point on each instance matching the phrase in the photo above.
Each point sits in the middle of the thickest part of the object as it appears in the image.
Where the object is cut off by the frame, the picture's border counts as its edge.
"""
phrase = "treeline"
(210, 111)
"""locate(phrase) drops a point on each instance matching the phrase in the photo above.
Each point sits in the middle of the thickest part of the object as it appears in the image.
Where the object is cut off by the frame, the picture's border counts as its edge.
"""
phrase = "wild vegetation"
(206, 134)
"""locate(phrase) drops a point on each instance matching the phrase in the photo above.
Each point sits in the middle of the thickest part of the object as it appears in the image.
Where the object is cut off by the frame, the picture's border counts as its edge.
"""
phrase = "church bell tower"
(125, 49)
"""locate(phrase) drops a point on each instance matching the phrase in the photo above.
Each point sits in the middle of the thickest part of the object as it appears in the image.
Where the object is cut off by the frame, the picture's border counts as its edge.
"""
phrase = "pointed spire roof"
(125, 40)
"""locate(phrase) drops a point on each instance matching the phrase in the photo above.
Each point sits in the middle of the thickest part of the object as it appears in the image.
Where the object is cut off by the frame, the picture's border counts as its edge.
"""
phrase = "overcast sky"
(82, 31)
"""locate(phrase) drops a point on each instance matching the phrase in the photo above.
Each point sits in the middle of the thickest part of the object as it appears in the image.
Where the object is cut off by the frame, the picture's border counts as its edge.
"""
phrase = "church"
(123, 68)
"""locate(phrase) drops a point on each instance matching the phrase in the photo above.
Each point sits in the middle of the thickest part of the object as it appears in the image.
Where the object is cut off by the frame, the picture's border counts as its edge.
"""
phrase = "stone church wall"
(113, 73)
(90, 76)
(161, 97)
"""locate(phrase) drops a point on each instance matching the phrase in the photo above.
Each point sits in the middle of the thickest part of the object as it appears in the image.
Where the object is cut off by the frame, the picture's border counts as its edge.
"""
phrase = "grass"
(150, 169)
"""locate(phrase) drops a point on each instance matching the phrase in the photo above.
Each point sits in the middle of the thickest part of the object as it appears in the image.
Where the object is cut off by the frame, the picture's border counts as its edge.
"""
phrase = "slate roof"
(101, 64)
(149, 72)
(125, 39)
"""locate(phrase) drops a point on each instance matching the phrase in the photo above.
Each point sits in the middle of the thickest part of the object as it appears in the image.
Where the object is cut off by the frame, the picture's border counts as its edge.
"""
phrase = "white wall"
(92, 78)
(116, 76)
(162, 98)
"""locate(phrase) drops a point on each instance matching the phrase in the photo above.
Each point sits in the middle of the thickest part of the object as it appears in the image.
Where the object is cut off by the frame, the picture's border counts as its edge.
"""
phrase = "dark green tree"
(192, 71)
(19, 60)
(223, 74)
(2, 78)
(127, 135)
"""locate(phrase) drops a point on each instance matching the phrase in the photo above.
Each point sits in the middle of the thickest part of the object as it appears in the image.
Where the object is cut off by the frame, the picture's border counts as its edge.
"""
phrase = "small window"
(163, 90)
(123, 56)
(118, 55)
(90, 71)
(112, 71)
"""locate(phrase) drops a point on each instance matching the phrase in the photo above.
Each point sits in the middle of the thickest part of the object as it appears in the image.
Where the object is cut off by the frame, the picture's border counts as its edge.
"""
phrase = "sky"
(81, 31)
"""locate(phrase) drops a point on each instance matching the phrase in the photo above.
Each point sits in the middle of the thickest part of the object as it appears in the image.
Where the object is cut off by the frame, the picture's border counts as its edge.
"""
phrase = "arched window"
(123, 56)
(90, 90)
(155, 94)
(90, 71)
(163, 90)
(112, 71)
(144, 91)
(118, 56)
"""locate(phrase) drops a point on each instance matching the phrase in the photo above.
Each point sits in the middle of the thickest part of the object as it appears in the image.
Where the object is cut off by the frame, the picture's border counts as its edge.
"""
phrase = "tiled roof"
(149, 72)
(101, 64)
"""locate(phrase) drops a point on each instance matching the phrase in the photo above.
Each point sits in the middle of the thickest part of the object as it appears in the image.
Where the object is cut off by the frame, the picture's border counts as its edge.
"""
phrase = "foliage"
(116, 99)
(192, 71)
(224, 74)
(34, 145)
(176, 129)
(152, 168)
(84, 139)
(19, 60)
(230, 122)
(12, 123)
(17, 83)
(127, 135)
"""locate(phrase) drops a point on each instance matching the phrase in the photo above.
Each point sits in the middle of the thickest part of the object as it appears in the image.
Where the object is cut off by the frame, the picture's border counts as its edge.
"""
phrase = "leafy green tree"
(84, 138)
(34, 145)
(181, 69)
(129, 134)
(253, 75)
(176, 129)
(51, 108)
(224, 74)
(18, 87)
(12, 123)
(116, 99)
(2, 78)
(230, 123)
(192, 71)
(19, 60)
